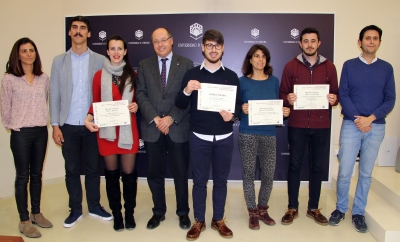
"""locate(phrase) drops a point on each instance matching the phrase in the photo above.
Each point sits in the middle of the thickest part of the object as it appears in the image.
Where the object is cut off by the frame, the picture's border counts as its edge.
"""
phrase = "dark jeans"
(80, 143)
(178, 154)
(298, 139)
(29, 149)
(203, 155)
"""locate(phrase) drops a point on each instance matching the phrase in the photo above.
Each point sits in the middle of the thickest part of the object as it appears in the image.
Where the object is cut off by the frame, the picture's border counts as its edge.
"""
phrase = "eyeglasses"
(162, 41)
(211, 46)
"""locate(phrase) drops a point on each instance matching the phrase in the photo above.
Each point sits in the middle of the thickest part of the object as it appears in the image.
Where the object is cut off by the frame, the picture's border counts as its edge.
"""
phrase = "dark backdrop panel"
(279, 32)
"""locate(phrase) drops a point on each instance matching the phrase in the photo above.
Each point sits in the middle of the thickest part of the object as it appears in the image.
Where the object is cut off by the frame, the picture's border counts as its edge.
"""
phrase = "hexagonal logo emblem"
(102, 35)
(196, 31)
(294, 33)
(255, 33)
(139, 34)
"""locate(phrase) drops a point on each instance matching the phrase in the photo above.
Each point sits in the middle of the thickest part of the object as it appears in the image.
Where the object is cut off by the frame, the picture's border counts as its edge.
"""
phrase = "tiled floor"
(55, 208)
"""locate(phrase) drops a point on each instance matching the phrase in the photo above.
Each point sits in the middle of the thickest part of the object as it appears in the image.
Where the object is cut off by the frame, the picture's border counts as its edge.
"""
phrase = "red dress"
(111, 147)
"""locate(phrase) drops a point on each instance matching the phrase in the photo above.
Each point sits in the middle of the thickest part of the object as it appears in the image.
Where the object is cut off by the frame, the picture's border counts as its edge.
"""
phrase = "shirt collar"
(365, 61)
(169, 57)
(205, 67)
(308, 63)
(81, 55)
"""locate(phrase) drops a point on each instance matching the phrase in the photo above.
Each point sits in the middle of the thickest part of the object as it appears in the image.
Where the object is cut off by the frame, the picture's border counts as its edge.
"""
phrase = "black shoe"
(129, 221)
(336, 217)
(359, 223)
(184, 221)
(155, 221)
(118, 221)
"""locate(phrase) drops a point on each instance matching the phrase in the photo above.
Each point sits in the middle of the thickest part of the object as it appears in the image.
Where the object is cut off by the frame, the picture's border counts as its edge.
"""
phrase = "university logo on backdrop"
(196, 31)
(102, 35)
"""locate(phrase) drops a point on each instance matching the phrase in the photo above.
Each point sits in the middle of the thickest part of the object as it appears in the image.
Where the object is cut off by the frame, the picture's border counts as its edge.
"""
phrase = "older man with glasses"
(164, 127)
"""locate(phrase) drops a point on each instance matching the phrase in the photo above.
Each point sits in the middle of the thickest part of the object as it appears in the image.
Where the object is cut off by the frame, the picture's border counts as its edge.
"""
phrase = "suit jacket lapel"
(68, 63)
(173, 69)
(155, 70)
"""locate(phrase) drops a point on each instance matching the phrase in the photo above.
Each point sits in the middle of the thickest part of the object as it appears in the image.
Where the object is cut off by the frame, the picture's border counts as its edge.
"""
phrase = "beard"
(213, 61)
(310, 54)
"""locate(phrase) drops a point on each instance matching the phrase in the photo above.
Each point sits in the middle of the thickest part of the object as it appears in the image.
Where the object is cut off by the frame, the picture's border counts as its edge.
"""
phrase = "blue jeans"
(298, 139)
(353, 140)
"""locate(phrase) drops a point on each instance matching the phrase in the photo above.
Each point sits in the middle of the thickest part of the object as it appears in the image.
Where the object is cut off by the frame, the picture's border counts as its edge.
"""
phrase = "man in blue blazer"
(70, 98)
(164, 127)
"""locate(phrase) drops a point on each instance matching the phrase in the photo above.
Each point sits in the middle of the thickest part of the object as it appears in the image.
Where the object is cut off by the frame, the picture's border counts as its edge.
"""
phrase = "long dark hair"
(128, 70)
(247, 68)
(14, 66)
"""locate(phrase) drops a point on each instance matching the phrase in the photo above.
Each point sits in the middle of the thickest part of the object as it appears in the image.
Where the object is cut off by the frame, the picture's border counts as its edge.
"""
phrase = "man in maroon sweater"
(310, 127)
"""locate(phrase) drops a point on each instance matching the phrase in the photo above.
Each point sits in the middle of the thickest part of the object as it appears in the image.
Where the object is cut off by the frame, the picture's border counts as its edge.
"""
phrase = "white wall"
(43, 22)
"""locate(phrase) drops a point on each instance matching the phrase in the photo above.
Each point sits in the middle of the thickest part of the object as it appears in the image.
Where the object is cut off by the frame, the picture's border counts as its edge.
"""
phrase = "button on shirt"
(79, 100)
(167, 65)
(205, 136)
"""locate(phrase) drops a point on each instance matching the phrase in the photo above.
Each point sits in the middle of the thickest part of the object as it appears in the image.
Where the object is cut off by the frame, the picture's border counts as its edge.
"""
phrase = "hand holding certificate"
(216, 97)
(311, 97)
(265, 112)
(114, 113)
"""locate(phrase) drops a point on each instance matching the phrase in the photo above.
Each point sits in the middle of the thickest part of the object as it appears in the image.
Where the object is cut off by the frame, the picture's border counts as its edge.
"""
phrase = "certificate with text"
(311, 97)
(113, 113)
(215, 97)
(265, 112)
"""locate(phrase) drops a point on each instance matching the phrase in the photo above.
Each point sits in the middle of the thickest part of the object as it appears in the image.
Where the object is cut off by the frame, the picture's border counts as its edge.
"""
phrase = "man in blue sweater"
(211, 138)
(367, 95)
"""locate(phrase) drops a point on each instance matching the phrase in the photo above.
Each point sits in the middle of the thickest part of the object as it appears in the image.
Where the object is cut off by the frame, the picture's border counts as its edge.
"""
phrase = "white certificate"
(265, 112)
(112, 113)
(215, 97)
(311, 97)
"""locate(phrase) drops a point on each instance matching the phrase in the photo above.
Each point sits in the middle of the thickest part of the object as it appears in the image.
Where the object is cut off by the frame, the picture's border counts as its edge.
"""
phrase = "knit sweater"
(205, 122)
(367, 89)
(257, 90)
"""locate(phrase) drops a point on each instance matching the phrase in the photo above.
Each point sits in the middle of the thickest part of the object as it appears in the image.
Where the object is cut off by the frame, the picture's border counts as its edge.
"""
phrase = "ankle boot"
(129, 192)
(253, 219)
(264, 216)
(114, 197)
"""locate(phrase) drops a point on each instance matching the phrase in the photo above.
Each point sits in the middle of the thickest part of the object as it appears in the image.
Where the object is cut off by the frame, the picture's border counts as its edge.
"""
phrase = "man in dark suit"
(164, 127)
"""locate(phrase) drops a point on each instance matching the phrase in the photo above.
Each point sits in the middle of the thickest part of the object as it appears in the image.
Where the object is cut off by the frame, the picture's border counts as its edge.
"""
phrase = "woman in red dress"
(116, 81)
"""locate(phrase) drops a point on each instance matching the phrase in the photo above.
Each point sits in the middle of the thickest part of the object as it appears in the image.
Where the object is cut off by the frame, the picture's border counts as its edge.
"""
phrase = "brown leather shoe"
(290, 214)
(317, 216)
(223, 230)
(195, 230)
(253, 219)
(264, 216)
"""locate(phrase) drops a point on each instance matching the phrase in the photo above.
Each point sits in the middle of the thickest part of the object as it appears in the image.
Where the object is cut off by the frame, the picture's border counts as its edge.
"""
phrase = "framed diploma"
(114, 113)
(265, 112)
(311, 97)
(215, 97)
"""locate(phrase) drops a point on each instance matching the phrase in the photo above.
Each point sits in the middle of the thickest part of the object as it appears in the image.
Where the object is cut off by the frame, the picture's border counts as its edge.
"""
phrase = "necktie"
(163, 74)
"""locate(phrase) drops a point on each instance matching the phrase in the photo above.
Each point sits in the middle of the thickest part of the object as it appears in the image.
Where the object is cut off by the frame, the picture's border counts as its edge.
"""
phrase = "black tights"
(127, 162)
